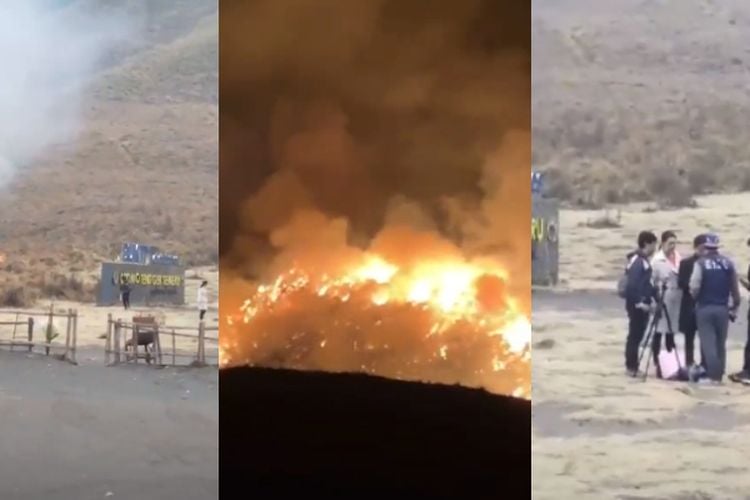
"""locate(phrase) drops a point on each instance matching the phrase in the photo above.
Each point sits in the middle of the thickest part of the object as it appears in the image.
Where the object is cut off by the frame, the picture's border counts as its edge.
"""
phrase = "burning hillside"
(408, 307)
(375, 189)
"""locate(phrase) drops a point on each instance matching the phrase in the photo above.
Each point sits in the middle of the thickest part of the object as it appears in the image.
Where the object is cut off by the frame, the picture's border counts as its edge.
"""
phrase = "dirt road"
(92, 432)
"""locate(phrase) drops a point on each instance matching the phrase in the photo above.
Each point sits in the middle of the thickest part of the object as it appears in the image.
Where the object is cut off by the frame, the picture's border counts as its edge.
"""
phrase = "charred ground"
(286, 431)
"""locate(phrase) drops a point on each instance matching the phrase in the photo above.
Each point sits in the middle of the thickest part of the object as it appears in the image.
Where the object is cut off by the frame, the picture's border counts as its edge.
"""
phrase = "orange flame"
(446, 321)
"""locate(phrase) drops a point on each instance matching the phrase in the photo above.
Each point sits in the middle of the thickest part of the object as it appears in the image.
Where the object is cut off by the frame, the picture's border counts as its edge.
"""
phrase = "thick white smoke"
(49, 51)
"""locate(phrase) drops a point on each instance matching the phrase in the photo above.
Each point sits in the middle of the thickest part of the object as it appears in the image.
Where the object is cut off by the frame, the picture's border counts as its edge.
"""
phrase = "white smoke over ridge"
(47, 56)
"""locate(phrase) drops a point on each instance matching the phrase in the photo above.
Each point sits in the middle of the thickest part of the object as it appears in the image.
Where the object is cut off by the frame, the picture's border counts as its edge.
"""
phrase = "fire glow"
(440, 321)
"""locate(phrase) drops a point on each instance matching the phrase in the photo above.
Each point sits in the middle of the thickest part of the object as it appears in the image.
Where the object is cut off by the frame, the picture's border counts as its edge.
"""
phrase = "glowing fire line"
(450, 292)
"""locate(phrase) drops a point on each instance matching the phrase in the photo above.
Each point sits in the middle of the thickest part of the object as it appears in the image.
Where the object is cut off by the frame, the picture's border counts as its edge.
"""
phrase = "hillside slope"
(641, 99)
(143, 167)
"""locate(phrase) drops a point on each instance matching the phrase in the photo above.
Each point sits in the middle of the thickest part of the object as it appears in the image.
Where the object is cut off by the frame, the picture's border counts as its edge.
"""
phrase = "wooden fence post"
(13, 340)
(31, 333)
(108, 342)
(50, 329)
(117, 341)
(68, 326)
(75, 335)
(201, 343)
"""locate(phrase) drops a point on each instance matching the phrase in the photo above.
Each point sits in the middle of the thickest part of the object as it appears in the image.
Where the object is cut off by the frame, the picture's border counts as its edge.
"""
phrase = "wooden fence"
(36, 332)
(186, 346)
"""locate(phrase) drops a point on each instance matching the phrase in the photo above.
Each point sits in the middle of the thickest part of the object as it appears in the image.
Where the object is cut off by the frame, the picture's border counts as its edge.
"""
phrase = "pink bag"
(669, 364)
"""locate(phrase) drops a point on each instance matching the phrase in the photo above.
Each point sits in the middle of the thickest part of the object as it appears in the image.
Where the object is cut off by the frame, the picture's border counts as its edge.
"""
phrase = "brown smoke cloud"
(379, 112)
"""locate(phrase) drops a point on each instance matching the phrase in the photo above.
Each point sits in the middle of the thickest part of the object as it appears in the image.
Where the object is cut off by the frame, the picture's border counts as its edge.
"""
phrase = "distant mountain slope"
(144, 166)
(641, 99)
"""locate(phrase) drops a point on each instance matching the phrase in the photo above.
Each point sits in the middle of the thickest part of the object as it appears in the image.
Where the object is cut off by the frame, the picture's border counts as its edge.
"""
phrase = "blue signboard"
(138, 253)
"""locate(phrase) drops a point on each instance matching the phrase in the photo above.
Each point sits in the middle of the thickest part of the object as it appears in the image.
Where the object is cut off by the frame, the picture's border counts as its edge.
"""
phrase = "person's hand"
(643, 307)
(732, 315)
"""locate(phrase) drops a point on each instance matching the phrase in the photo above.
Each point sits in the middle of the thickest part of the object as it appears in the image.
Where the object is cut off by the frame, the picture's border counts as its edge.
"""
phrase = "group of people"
(698, 294)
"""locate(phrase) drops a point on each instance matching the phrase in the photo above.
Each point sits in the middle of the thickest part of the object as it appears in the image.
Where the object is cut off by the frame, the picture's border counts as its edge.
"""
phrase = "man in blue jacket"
(712, 284)
(639, 297)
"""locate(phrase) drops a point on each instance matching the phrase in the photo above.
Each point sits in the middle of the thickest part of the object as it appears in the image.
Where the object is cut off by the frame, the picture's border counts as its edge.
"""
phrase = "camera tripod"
(660, 310)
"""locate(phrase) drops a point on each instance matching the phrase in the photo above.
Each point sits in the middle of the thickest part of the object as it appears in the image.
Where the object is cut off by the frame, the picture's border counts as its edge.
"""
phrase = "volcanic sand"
(93, 432)
(598, 434)
(85, 431)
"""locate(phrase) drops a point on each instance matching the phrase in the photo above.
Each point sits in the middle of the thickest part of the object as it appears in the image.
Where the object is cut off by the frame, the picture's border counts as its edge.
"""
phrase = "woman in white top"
(202, 299)
(666, 264)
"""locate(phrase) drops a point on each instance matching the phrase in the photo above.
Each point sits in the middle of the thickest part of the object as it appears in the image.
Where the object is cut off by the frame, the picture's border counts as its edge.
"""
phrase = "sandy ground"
(91, 432)
(598, 434)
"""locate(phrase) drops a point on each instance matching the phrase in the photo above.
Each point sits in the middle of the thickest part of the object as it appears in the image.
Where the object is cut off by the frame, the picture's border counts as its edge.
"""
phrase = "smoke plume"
(48, 51)
(395, 128)
(375, 111)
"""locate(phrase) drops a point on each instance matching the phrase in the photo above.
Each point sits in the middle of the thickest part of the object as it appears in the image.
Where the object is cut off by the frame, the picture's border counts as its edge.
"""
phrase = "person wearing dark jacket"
(687, 323)
(715, 288)
(125, 292)
(639, 297)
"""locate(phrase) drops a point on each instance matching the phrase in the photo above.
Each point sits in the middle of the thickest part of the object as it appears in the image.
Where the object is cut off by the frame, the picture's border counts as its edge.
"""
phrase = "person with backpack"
(712, 284)
(687, 323)
(639, 293)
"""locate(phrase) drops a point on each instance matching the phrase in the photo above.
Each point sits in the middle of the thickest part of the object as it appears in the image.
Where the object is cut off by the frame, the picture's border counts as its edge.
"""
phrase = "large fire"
(443, 320)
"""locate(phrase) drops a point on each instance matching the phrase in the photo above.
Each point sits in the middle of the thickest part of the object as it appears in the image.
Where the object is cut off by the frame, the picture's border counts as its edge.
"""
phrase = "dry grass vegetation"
(641, 100)
(143, 168)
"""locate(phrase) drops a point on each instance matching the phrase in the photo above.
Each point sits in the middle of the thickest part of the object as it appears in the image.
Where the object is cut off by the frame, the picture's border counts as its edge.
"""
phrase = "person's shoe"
(709, 381)
(695, 372)
(633, 373)
(742, 377)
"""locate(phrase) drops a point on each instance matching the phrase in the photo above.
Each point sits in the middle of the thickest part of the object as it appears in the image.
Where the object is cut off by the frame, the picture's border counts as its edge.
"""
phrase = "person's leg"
(707, 336)
(689, 347)
(203, 313)
(721, 319)
(637, 325)
(655, 349)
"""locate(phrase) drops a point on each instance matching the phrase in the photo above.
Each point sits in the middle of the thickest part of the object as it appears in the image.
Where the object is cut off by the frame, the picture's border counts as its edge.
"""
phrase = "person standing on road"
(202, 300)
(666, 265)
(743, 377)
(639, 295)
(687, 324)
(712, 284)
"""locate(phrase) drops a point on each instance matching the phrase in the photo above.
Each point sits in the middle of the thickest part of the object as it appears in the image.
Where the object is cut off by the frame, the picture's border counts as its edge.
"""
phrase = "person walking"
(202, 299)
(666, 264)
(639, 295)
(713, 283)
(687, 324)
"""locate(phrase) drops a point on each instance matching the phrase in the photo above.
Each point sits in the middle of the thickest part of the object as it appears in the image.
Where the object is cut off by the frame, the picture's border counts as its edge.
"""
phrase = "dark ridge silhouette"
(287, 432)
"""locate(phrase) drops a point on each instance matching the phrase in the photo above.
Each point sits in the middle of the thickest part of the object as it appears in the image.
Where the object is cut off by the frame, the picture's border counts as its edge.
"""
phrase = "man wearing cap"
(712, 283)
